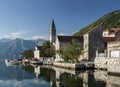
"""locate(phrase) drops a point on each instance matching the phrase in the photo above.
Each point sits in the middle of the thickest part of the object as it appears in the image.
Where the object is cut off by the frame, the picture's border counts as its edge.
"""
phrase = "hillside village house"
(113, 32)
(111, 42)
(110, 58)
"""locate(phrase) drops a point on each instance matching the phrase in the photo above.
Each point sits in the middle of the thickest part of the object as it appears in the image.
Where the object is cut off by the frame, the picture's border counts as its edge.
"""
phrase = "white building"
(112, 32)
(37, 52)
(111, 42)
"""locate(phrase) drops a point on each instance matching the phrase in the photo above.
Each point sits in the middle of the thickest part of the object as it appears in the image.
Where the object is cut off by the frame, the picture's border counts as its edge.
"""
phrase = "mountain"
(5, 40)
(13, 47)
(110, 20)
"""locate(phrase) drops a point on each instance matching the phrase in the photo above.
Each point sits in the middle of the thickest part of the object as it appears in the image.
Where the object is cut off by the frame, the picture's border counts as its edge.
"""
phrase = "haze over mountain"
(11, 48)
(110, 20)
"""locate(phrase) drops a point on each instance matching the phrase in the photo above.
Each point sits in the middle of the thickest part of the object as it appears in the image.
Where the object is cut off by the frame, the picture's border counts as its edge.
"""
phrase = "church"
(89, 42)
(61, 41)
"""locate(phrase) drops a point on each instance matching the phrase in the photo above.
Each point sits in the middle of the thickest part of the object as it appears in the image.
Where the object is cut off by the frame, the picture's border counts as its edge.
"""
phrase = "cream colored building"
(112, 32)
(114, 48)
(37, 52)
(111, 42)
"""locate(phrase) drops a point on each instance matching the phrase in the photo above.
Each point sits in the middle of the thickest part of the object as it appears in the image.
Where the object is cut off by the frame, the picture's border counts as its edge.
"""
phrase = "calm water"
(48, 76)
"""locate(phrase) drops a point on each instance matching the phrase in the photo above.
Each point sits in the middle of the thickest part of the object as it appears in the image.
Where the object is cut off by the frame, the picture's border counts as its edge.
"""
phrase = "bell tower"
(52, 32)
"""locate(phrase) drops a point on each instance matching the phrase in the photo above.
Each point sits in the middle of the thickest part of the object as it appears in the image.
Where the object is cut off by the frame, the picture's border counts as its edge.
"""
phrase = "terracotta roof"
(113, 30)
(69, 38)
(109, 39)
(117, 30)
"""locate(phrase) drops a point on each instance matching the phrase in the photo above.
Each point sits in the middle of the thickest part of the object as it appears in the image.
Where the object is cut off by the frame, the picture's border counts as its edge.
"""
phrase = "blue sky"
(30, 19)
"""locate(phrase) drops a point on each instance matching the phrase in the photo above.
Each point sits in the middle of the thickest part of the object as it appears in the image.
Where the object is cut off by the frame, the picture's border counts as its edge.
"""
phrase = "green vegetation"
(68, 80)
(47, 74)
(48, 50)
(111, 20)
(71, 54)
(28, 54)
(29, 68)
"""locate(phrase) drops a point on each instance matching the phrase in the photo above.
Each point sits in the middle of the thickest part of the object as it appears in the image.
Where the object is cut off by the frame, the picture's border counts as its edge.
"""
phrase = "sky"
(31, 19)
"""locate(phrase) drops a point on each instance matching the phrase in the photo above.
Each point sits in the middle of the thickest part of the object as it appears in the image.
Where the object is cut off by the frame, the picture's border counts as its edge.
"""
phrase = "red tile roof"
(69, 38)
(109, 39)
(113, 30)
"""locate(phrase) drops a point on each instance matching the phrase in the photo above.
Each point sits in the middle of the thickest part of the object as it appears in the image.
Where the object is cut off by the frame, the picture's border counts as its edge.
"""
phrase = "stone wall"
(64, 65)
(111, 64)
(113, 81)
(71, 65)
(100, 62)
(100, 75)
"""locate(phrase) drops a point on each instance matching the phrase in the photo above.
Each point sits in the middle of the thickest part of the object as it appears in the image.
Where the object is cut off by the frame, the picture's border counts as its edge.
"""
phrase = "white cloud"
(46, 37)
(13, 35)
(62, 34)
(22, 34)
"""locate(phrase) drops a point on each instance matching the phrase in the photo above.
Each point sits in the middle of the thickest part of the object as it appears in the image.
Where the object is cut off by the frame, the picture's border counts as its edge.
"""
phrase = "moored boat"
(10, 62)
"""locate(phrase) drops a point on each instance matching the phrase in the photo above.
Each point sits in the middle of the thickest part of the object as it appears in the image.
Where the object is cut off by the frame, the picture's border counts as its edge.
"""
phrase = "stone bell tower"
(52, 32)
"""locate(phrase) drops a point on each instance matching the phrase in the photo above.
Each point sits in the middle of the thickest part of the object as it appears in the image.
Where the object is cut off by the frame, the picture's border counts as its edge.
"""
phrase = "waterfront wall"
(64, 65)
(100, 62)
(82, 65)
(114, 65)
(111, 64)
(101, 75)
(113, 81)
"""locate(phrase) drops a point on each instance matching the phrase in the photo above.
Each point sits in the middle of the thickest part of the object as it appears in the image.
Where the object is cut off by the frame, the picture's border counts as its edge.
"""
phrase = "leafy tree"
(28, 54)
(72, 53)
(48, 50)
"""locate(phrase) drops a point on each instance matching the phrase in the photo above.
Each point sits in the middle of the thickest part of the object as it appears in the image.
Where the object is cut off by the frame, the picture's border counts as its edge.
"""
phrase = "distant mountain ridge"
(110, 20)
(5, 40)
(11, 48)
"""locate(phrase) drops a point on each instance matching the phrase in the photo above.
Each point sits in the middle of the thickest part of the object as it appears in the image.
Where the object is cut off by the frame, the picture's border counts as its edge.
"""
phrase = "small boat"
(10, 62)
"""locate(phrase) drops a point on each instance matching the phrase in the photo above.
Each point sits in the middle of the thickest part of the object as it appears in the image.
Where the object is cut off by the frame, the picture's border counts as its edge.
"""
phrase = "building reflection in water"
(60, 77)
(75, 78)
(37, 71)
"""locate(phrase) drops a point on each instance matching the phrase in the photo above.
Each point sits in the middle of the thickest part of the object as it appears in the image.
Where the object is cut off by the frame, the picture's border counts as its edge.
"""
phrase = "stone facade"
(92, 40)
(63, 42)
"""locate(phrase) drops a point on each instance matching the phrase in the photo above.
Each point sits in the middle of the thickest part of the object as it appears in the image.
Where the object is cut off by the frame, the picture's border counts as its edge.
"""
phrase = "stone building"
(64, 42)
(92, 41)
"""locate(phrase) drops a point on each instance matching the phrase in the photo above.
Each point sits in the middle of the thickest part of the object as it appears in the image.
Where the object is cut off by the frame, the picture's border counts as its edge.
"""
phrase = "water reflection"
(50, 76)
